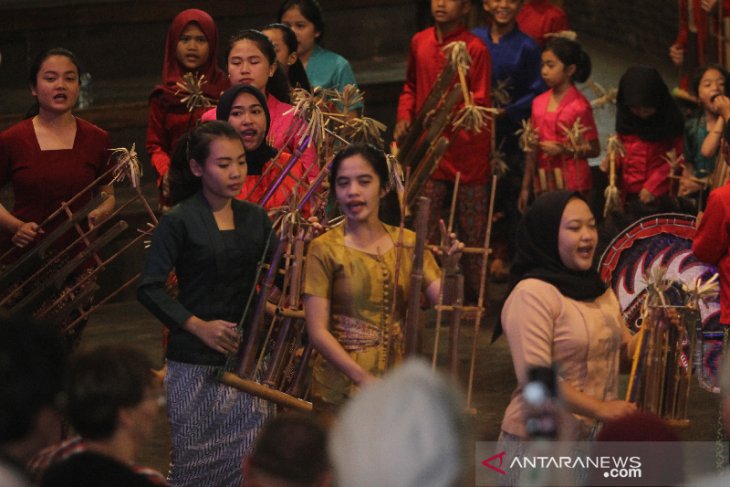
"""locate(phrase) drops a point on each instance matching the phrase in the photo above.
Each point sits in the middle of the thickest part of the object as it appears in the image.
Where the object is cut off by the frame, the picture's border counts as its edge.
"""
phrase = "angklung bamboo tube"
(414, 297)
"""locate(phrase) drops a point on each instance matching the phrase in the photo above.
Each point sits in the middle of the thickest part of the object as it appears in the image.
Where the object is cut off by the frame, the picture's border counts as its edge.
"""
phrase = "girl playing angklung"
(252, 62)
(556, 163)
(560, 313)
(703, 132)
(191, 47)
(53, 155)
(50, 158)
(214, 242)
(349, 278)
(649, 126)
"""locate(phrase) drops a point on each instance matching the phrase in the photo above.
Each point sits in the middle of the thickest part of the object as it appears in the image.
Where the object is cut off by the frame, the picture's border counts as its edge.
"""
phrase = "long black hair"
(643, 86)
(194, 145)
(297, 74)
(278, 84)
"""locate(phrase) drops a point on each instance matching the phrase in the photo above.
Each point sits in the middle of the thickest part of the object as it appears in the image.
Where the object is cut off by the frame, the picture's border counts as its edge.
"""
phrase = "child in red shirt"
(554, 163)
(468, 153)
(191, 47)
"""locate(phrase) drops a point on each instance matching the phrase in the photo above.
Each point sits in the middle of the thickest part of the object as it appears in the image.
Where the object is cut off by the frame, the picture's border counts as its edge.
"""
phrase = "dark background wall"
(122, 38)
(645, 25)
(121, 44)
(125, 38)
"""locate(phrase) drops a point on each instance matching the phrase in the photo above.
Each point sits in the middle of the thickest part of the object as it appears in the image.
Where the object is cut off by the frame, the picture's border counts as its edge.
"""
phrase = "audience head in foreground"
(408, 430)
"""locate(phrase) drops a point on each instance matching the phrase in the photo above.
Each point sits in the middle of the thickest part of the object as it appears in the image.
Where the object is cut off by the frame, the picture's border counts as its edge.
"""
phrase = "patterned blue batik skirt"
(212, 426)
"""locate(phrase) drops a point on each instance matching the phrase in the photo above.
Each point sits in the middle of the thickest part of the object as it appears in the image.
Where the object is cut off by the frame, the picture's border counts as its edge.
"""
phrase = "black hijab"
(642, 86)
(538, 257)
(257, 158)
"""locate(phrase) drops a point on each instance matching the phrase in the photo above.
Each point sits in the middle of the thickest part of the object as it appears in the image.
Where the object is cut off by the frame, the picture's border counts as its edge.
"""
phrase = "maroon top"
(169, 117)
(42, 180)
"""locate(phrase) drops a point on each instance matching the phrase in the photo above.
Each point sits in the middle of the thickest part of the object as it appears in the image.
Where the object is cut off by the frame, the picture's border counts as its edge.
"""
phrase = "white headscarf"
(406, 431)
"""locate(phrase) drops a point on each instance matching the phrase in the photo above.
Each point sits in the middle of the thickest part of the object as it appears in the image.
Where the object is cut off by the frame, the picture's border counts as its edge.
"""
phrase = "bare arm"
(23, 232)
(712, 142)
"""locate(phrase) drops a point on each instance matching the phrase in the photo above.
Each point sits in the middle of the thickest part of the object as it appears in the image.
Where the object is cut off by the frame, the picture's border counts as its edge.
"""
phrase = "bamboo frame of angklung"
(101, 237)
(243, 370)
(424, 155)
(247, 366)
(423, 145)
(476, 311)
(443, 97)
(248, 370)
(245, 361)
(659, 382)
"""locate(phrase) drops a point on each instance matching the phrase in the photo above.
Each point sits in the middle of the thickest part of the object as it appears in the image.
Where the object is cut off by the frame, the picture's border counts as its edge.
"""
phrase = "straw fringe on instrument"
(274, 361)
(55, 278)
(274, 348)
(446, 137)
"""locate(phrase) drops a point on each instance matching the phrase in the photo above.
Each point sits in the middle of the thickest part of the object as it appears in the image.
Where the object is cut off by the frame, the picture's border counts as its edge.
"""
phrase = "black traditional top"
(215, 271)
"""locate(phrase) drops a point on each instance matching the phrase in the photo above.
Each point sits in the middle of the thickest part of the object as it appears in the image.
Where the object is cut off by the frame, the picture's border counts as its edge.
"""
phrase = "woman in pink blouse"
(560, 313)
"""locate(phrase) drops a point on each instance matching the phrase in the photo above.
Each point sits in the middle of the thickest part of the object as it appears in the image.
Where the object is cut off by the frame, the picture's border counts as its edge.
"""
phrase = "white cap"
(407, 430)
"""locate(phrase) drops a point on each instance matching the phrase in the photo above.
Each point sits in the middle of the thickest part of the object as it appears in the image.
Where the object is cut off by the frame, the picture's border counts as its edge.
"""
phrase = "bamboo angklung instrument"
(284, 172)
(45, 279)
(247, 357)
(480, 308)
(423, 146)
(611, 193)
(416, 278)
(268, 363)
(396, 278)
(264, 367)
(445, 79)
(661, 368)
(424, 159)
(273, 361)
(450, 293)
